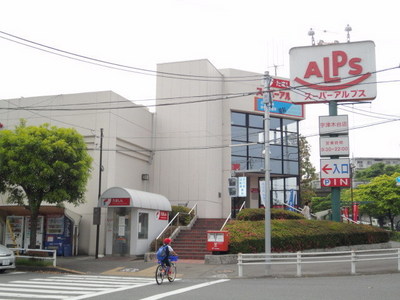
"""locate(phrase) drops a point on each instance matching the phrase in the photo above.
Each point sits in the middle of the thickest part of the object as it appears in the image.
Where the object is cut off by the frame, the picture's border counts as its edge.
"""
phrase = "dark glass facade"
(248, 156)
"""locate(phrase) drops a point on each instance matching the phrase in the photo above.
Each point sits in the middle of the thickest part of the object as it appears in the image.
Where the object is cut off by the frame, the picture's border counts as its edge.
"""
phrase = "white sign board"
(335, 168)
(242, 187)
(334, 146)
(333, 124)
(333, 72)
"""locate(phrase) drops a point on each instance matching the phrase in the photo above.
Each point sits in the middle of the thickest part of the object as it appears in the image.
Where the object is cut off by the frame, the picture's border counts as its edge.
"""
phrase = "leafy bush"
(300, 234)
(258, 214)
(183, 218)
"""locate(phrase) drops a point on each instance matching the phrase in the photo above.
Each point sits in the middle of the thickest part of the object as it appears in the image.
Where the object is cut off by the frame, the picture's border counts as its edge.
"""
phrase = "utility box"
(217, 241)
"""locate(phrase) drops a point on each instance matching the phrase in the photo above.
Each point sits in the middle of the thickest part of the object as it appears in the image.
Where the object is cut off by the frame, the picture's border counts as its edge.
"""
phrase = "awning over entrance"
(123, 197)
(16, 210)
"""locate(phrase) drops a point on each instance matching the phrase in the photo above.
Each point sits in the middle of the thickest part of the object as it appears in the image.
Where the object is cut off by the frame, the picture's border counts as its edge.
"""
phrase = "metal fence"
(301, 258)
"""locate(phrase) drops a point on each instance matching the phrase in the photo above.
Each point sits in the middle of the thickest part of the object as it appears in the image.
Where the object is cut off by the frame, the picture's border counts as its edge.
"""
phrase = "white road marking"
(72, 287)
(184, 290)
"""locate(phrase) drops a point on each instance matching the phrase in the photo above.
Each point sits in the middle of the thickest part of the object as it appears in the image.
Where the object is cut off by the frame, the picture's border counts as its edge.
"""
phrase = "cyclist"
(168, 252)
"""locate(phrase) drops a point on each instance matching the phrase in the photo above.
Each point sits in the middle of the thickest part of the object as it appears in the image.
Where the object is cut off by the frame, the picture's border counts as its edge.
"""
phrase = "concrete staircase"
(192, 244)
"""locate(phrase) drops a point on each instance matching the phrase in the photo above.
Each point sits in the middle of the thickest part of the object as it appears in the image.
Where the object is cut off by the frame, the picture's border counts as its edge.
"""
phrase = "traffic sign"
(335, 168)
(398, 181)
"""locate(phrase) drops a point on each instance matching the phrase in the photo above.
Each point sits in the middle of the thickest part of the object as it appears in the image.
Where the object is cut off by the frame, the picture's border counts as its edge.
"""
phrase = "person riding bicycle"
(167, 252)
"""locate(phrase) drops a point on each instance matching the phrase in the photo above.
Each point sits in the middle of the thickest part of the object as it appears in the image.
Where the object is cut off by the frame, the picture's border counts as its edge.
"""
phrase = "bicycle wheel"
(172, 273)
(159, 274)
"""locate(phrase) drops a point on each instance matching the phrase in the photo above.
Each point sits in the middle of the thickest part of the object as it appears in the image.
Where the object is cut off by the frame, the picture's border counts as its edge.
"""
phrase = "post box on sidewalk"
(217, 241)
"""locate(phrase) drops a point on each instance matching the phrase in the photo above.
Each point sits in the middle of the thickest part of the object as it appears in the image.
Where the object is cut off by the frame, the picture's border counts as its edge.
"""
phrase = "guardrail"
(21, 252)
(300, 258)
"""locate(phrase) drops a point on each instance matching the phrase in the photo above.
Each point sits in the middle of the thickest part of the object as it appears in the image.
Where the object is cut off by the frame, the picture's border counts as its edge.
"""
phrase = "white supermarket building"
(205, 129)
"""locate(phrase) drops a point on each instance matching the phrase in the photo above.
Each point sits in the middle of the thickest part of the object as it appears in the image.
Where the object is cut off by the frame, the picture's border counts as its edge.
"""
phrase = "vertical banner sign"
(242, 187)
(333, 72)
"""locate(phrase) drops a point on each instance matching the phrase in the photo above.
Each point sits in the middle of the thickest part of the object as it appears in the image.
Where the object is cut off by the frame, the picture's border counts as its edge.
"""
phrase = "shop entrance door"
(121, 231)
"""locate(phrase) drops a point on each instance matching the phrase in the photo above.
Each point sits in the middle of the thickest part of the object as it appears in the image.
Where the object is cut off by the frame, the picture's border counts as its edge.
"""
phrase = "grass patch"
(32, 262)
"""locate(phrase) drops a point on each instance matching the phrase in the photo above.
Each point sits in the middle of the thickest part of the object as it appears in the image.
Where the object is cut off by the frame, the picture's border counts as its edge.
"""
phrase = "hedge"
(258, 214)
(300, 234)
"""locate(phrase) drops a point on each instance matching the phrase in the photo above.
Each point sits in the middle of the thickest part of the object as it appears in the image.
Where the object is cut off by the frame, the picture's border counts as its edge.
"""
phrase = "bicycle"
(163, 271)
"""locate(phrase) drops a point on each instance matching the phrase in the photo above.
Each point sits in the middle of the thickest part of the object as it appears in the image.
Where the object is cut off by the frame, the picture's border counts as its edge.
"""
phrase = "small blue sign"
(398, 179)
(281, 108)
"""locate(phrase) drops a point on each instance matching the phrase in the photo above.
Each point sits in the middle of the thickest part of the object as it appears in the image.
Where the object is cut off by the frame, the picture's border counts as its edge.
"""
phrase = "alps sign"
(333, 72)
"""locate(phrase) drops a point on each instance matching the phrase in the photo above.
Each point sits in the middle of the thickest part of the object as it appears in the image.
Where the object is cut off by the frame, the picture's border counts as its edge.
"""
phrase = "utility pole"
(99, 211)
(335, 191)
(267, 167)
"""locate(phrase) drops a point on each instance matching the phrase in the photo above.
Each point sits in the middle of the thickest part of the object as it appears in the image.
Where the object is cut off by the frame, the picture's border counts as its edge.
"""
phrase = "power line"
(121, 67)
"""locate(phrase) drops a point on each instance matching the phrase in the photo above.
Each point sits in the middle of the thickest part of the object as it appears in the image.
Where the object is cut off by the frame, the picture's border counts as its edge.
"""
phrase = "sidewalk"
(128, 266)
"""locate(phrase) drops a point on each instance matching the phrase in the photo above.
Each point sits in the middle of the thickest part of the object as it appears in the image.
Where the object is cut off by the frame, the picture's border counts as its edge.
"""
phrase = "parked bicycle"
(163, 271)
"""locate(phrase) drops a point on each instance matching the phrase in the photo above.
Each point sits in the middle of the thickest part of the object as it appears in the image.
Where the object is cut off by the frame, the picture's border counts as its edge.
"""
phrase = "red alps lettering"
(331, 67)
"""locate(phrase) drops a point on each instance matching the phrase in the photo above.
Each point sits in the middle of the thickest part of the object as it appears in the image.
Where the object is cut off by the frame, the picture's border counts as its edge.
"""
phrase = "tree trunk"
(33, 229)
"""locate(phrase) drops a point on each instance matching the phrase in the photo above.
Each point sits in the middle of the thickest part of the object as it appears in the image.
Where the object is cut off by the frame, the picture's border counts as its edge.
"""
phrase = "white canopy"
(123, 197)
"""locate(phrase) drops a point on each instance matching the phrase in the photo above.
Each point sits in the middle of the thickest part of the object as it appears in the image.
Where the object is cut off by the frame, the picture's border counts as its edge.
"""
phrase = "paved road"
(74, 287)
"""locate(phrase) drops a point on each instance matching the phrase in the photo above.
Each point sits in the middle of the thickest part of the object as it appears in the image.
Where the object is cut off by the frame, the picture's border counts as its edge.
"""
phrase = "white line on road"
(184, 290)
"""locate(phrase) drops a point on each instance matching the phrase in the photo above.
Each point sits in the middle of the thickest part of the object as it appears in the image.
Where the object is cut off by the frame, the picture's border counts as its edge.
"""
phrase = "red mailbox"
(217, 241)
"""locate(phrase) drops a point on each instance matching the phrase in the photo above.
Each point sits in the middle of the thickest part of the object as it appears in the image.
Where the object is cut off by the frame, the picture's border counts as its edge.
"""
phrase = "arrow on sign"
(326, 169)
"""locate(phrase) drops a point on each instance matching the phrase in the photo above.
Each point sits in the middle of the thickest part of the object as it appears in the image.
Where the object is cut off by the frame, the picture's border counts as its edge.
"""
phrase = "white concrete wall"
(196, 159)
(188, 138)
(126, 144)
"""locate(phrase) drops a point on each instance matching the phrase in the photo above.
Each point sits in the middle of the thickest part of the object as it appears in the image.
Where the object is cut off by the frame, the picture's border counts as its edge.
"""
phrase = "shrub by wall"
(258, 214)
(300, 234)
(184, 217)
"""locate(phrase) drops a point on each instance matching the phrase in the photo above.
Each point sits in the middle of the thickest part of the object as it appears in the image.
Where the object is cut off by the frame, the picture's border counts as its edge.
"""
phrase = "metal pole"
(100, 171)
(267, 104)
(335, 191)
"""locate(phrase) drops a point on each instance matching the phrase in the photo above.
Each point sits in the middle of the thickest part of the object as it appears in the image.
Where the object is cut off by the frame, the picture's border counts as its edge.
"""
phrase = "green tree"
(376, 170)
(43, 164)
(321, 203)
(381, 197)
(307, 171)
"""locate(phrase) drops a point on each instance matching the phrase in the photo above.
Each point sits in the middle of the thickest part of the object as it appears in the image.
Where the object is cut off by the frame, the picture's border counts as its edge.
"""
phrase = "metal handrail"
(170, 223)
(230, 215)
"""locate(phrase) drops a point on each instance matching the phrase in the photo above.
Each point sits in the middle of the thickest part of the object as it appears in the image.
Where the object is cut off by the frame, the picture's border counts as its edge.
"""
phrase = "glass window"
(275, 151)
(291, 183)
(253, 135)
(278, 183)
(242, 161)
(256, 163)
(291, 167)
(283, 140)
(239, 133)
(239, 150)
(275, 137)
(290, 153)
(278, 197)
(256, 121)
(289, 125)
(276, 166)
(238, 119)
(256, 150)
(143, 225)
(289, 139)
(275, 124)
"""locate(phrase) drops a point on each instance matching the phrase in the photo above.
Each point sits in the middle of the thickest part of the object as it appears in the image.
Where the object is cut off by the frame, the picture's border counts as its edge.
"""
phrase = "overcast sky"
(251, 35)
